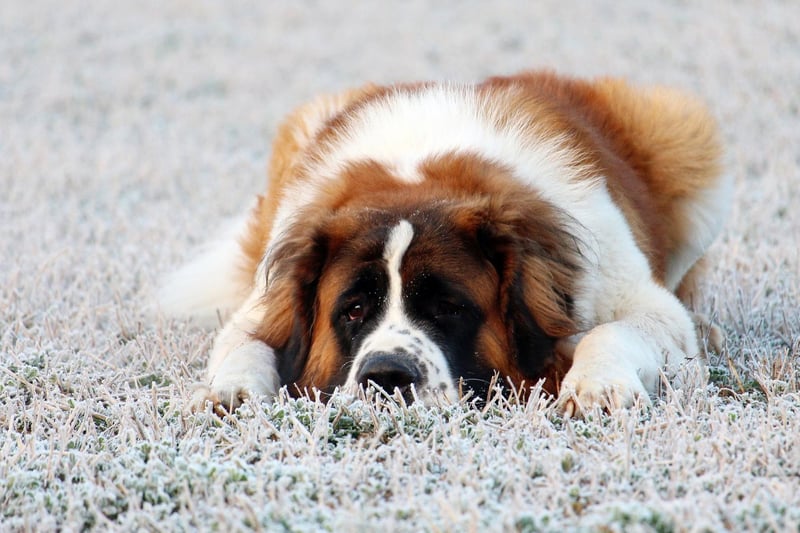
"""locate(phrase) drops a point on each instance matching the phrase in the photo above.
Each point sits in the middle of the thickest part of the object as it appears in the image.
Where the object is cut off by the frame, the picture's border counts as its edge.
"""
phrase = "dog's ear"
(537, 258)
(293, 272)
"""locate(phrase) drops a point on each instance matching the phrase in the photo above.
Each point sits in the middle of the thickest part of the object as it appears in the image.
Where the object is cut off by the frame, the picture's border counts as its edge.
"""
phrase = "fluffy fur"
(421, 238)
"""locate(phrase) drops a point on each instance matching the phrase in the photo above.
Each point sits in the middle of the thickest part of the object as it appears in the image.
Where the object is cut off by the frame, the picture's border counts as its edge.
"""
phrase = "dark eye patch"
(358, 306)
(452, 319)
(443, 308)
(432, 297)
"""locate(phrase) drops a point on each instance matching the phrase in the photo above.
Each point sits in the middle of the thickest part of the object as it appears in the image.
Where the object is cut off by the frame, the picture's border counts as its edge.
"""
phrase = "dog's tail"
(211, 285)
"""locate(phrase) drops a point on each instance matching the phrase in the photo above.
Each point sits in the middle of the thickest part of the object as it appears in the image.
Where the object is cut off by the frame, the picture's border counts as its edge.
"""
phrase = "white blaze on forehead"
(397, 334)
(396, 248)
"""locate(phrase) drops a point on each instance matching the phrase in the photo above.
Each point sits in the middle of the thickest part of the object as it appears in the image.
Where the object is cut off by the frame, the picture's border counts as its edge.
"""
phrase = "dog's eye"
(446, 308)
(355, 312)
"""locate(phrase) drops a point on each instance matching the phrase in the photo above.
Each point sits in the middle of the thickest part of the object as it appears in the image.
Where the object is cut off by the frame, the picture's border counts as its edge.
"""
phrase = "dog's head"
(412, 288)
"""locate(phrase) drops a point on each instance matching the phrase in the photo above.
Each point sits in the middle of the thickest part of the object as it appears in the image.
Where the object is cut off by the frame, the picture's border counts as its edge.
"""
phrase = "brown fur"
(673, 145)
(292, 139)
(655, 147)
(482, 202)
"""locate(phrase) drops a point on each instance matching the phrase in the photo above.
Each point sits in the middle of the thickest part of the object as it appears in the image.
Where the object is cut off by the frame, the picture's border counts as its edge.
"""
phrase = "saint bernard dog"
(423, 238)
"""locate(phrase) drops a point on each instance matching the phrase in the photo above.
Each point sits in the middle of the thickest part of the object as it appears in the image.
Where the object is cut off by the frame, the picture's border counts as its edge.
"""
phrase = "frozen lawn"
(129, 131)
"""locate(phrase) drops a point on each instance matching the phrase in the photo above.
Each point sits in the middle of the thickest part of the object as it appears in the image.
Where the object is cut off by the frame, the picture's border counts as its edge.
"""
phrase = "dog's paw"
(203, 397)
(580, 392)
(606, 373)
(247, 372)
(225, 400)
(615, 366)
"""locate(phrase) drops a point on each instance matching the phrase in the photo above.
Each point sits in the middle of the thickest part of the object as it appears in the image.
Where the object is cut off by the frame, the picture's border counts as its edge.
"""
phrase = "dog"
(423, 238)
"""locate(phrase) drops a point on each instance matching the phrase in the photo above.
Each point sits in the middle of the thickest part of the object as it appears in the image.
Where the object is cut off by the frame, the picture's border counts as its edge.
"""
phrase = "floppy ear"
(537, 259)
(293, 273)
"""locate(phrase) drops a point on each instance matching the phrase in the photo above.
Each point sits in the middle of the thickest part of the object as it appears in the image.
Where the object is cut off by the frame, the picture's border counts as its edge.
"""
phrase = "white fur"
(248, 372)
(706, 213)
(396, 331)
(396, 248)
(239, 366)
(406, 129)
(632, 328)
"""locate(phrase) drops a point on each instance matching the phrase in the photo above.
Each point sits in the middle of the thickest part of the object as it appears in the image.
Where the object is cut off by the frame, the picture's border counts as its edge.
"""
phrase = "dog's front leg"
(240, 366)
(621, 360)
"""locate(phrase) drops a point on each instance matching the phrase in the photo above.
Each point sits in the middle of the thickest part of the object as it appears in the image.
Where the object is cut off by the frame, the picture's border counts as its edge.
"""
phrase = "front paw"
(613, 366)
(249, 371)
(204, 396)
(580, 392)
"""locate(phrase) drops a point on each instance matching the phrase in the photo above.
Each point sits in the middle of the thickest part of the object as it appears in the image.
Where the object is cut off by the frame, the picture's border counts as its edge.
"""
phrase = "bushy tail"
(211, 285)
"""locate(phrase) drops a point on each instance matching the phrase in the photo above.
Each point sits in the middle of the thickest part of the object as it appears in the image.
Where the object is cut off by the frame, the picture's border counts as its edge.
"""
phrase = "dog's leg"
(621, 360)
(240, 366)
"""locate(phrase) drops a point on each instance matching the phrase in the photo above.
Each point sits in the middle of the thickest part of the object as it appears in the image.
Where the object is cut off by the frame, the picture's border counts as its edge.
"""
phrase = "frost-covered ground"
(130, 130)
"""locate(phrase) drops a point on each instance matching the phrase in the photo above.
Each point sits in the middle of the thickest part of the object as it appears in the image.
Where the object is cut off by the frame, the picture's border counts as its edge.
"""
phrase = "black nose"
(389, 371)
